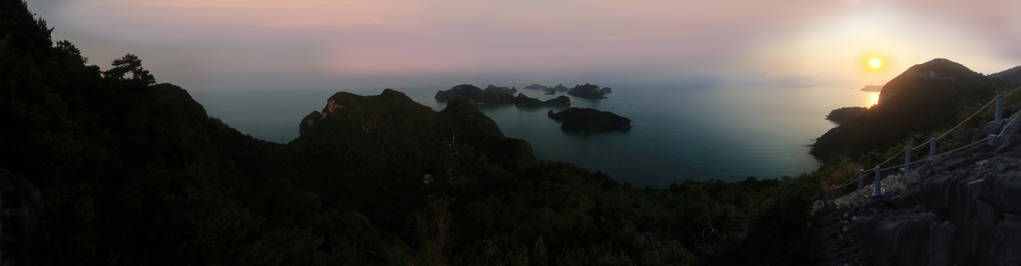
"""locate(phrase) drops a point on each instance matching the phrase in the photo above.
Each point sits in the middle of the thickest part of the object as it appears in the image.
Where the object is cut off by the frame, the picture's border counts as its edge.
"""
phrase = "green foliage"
(129, 64)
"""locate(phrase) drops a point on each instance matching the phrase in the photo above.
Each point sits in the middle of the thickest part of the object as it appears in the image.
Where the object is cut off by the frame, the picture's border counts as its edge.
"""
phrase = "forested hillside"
(111, 168)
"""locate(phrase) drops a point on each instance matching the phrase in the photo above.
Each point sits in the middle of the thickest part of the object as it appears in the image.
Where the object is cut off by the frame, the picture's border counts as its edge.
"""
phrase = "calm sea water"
(678, 133)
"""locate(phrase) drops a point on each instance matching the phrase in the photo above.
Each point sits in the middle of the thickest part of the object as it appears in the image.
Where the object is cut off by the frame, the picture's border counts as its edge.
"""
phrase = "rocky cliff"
(963, 209)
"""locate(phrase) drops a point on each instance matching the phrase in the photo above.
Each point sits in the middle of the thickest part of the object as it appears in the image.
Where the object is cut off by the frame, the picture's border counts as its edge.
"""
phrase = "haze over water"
(715, 89)
(679, 132)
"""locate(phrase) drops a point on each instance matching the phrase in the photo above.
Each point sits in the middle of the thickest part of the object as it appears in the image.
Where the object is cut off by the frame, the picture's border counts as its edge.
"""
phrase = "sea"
(678, 133)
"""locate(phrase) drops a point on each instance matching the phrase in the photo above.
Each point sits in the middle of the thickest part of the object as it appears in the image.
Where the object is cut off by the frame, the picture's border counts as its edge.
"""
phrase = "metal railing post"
(992, 139)
(833, 196)
(877, 190)
(826, 197)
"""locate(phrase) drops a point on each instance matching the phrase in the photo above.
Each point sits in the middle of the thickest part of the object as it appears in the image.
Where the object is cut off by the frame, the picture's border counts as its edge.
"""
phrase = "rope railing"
(878, 170)
(977, 112)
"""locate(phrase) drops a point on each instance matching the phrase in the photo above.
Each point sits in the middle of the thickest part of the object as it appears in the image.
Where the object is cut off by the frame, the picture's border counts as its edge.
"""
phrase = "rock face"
(961, 210)
(918, 99)
(589, 91)
(586, 120)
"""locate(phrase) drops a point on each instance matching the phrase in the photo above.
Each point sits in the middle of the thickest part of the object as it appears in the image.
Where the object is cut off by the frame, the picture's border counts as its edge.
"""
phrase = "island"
(524, 101)
(587, 120)
(589, 91)
(494, 95)
(872, 88)
(549, 90)
(500, 90)
(491, 95)
(536, 86)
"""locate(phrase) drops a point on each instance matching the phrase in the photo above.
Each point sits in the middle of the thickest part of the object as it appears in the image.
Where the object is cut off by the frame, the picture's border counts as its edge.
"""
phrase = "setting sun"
(875, 63)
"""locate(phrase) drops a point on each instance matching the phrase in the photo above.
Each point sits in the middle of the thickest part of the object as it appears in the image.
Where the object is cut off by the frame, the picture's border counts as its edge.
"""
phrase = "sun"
(875, 63)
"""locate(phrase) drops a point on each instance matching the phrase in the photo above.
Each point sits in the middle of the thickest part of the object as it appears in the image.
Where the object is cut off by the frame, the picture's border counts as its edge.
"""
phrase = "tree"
(70, 50)
(129, 64)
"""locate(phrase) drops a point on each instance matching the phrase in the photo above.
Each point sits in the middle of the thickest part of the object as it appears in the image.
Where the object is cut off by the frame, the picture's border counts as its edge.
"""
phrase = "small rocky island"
(500, 90)
(494, 95)
(549, 90)
(525, 101)
(589, 91)
(587, 120)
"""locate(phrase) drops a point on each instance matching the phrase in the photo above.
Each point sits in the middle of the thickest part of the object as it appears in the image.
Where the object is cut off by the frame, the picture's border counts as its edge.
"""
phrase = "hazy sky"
(321, 44)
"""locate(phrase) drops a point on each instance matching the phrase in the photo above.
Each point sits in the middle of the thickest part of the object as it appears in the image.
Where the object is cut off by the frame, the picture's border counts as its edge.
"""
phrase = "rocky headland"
(938, 87)
(845, 114)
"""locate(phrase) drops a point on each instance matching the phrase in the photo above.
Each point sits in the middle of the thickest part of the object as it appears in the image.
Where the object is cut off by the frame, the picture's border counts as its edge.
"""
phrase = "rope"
(849, 181)
(920, 146)
(966, 119)
(895, 167)
(862, 174)
(1005, 127)
(881, 170)
(1011, 92)
(888, 160)
(980, 141)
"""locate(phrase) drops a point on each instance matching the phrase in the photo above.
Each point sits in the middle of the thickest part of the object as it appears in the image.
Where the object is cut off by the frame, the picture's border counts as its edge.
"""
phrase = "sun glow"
(875, 63)
(873, 99)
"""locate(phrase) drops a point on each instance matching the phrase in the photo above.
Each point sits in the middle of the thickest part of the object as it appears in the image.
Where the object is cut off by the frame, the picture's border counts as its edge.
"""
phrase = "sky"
(226, 45)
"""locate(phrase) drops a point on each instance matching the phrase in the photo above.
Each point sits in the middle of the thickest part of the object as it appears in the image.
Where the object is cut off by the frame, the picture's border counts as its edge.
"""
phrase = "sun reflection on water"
(873, 99)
